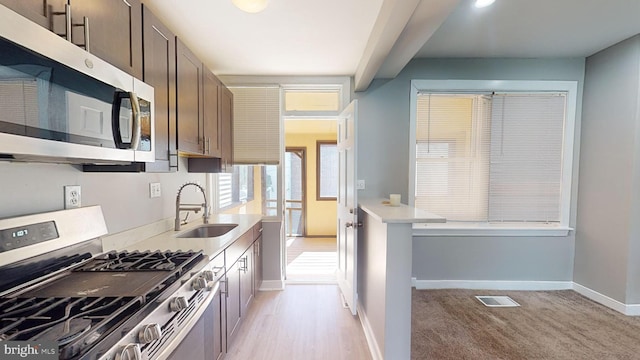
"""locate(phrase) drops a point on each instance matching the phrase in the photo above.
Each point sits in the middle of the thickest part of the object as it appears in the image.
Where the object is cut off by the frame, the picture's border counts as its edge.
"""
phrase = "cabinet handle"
(208, 145)
(244, 265)
(85, 25)
(67, 21)
(226, 288)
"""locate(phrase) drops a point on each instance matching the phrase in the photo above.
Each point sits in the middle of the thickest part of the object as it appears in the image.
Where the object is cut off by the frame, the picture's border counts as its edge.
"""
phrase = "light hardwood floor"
(312, 260)
(306, 322)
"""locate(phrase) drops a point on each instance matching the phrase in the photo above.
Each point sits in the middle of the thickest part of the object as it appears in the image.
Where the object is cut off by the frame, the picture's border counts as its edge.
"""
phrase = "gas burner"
(65, 332)
(138, 261)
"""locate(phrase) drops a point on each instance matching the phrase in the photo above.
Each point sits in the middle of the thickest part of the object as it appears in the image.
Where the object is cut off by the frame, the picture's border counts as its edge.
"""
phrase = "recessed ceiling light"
(483, 3)
(251, 6)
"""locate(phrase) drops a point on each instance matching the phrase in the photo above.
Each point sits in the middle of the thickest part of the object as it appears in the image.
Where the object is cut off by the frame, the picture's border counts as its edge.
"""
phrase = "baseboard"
(272, 285)
(627, 309)
(491, 285)
(374, 348)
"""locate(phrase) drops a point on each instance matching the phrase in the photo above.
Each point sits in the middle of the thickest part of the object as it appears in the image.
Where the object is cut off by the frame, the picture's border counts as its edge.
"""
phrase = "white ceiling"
(534, 28)
(376, 38)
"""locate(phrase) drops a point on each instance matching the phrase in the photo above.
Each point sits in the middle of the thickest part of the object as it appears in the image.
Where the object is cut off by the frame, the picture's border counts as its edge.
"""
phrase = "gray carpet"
(453, 324)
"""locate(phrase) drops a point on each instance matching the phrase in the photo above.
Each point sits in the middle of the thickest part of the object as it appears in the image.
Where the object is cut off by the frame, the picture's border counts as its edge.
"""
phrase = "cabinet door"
(257, 269)
(37, 11)
(211, 126)
(115, 31)
(160, 72)
(189, 103)
(226, 128)
(246, 280)
(215, 331)
(233, 302)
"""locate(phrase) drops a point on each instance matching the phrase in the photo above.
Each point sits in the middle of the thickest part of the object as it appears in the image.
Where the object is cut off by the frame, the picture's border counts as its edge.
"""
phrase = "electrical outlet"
(360, 185)
(154, 190)
(72, 196)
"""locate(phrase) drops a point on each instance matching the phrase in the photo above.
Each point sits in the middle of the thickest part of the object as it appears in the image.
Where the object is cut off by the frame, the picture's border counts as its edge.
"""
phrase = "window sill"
(488, 230)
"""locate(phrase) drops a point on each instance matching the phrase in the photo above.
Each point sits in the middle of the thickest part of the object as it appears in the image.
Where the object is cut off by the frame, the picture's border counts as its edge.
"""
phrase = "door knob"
(350, 224)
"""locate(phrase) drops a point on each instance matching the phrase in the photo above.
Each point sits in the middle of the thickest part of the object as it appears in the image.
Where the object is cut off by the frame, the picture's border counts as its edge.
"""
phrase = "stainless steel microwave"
(59, 103)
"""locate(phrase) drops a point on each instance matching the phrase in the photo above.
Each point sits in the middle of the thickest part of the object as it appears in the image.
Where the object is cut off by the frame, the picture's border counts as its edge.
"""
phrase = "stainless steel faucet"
(191, 207)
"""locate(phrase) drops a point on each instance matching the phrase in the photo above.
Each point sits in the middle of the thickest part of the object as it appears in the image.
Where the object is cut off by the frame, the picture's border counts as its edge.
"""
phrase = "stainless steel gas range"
(56, 284)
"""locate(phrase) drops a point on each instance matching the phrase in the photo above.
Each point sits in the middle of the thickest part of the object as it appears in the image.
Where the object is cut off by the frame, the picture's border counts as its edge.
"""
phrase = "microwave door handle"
(136, 126)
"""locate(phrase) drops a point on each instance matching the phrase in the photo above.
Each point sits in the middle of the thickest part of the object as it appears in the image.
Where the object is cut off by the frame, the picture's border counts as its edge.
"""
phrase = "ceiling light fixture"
(251, 6)
(483, 3)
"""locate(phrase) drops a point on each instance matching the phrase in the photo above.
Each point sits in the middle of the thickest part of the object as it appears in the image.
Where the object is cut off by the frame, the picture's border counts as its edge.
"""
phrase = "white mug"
(394, 199)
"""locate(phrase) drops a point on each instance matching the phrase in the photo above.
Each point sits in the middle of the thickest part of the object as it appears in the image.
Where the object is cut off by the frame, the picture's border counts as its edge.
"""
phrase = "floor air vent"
(497, 301)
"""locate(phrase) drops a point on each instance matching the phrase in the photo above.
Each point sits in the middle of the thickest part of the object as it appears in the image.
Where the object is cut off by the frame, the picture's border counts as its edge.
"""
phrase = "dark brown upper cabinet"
(35, 10)
(226, 128)
(159, 55)
(113, 27)
(189, 101)
(211, 129)
(115, 31)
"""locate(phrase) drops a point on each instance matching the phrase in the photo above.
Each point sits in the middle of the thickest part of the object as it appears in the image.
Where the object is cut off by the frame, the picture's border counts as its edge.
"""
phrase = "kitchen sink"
(208, 230)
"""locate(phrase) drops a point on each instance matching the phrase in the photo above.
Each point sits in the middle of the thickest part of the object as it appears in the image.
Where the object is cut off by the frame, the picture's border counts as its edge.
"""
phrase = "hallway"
(311, 260)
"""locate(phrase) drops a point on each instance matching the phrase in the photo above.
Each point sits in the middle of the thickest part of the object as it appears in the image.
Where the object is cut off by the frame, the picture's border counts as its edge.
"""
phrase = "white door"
(347, 206)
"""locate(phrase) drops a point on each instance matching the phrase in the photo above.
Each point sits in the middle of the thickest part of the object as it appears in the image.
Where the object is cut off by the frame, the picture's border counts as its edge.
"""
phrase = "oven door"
(201, 338)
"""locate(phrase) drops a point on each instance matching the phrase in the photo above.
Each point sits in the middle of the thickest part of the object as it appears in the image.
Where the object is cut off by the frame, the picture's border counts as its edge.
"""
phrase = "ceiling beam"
(392, 19)
(426, 19)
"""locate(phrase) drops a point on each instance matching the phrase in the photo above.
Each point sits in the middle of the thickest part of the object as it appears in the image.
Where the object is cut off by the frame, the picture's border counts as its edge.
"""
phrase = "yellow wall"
(321, 215)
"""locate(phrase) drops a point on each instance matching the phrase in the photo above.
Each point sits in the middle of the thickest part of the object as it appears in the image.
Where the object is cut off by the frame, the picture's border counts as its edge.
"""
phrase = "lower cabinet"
(237, 290)
(257, 264)
(219, 325)
(246, 280)
(233, 301)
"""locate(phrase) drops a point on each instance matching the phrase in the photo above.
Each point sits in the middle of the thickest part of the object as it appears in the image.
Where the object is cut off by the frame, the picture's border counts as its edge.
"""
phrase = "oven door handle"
(189, 324)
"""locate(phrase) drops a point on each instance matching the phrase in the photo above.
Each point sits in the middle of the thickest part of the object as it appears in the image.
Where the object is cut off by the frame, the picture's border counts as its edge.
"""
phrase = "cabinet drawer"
(218, 265)
(235, 250)
(257, 230)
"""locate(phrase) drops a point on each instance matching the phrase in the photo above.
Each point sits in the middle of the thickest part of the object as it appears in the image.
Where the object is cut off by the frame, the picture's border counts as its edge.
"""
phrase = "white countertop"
(210, 246)
(403, 214)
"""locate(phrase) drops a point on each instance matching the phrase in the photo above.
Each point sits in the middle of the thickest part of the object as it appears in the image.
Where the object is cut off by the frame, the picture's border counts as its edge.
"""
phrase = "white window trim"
(339, 88)
(452, 86)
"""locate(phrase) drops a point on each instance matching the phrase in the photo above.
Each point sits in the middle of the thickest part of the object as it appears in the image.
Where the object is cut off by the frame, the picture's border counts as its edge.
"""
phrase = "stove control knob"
(149, 333)
(199, 283)
(208, 275)
(129, 352)
(178, 303)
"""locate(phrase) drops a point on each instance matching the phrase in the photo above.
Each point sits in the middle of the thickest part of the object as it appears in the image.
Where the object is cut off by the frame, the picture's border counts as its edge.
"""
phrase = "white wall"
(383, 137)
(27, 188)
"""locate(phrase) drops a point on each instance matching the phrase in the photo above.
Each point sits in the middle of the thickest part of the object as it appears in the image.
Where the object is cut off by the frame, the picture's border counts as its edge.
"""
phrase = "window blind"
(225, 190)
(256, 125)
(526, 157)
(495, 158)
(452, 155)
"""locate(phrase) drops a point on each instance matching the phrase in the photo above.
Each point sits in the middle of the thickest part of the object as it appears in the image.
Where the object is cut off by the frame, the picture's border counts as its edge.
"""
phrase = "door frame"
(303, 166)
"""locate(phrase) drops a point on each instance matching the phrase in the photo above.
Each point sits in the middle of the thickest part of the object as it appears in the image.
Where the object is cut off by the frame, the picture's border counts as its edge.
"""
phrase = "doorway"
(295, 181)
(310, 229)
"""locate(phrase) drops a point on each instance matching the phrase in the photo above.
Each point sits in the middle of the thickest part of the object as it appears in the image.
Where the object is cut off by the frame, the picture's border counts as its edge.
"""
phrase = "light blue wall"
(383, 148)
(608, 235)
